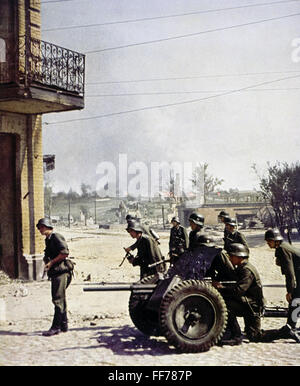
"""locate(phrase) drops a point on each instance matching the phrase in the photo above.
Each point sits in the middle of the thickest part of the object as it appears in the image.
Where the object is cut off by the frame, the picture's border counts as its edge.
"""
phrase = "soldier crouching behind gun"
(148, 251)
(245, 298)
(55, 254)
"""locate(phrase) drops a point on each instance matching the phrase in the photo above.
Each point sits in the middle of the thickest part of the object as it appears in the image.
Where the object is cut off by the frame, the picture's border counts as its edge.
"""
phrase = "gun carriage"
(180, 304)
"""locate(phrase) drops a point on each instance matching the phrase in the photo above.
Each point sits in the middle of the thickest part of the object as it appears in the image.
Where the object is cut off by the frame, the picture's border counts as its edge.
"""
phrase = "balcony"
(42, 77)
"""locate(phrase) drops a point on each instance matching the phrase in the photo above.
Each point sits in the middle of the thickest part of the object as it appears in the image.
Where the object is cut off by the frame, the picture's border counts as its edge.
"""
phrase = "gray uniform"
(60, 276)
(288, 258)
(245, 298)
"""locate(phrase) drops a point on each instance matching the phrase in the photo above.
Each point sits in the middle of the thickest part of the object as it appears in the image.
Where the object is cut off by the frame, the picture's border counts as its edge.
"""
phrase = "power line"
(184, 92)
(55, 1)
(191, 34)
(166, 16)
(172, 104)
(193, 77)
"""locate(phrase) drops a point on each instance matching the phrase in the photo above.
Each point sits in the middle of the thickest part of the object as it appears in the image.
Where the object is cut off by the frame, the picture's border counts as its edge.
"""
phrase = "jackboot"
(64, 322)
(285, 332)
(56, 323)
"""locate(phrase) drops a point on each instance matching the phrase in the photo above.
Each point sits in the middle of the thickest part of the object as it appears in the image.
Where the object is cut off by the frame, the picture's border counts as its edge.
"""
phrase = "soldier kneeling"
(244, 298)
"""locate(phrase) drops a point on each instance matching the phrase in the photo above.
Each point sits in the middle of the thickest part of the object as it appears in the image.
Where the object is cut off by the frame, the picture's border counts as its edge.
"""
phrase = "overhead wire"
(172, 104)
(166, 16)
(191, 34)
(185, 92)
(193, 77)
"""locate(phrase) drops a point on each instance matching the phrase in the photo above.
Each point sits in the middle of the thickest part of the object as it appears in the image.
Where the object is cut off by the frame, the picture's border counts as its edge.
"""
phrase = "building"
(36, 77)
(240, 211)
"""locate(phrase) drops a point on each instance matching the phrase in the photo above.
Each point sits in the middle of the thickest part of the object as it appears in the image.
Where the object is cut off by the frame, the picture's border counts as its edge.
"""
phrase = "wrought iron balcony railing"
(49, 65)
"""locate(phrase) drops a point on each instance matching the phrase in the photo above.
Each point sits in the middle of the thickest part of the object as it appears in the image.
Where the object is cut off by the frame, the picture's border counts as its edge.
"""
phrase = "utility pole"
(163, 215)
(69, 202)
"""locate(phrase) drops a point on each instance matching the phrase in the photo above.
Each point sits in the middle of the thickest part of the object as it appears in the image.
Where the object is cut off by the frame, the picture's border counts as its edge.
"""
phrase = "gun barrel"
(123, 287)
(158, 262)
(275, 312)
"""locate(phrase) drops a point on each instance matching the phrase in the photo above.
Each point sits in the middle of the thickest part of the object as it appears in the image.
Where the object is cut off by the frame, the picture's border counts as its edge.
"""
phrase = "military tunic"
(288, 258)
(245, 298)
(146, 231)
(193, 239)
(59, 275)
(148, 253)
(221, 268)
(178, 243)
(235, 237)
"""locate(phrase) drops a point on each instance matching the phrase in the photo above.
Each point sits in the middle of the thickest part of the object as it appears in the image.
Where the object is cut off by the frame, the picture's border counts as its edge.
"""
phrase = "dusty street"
(101, 332)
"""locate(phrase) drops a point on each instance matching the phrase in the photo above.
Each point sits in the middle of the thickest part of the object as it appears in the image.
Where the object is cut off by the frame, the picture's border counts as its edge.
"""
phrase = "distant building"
(36, 77)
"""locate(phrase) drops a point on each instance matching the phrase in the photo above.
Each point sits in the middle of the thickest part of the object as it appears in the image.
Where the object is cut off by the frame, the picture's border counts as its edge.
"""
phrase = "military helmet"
(46, 221)
(223, 214)
(237, 249)
(175, 218)
(134, 225)
(230, 221)
(198, 219)
(206, 240)
(273, 234)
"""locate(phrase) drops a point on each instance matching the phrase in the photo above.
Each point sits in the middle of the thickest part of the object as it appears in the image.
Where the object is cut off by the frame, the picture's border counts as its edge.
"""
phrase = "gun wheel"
(145, 320)
(193, 316)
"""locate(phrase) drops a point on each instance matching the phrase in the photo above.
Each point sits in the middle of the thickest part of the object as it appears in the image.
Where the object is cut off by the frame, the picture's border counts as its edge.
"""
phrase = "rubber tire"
(194, 291)
(146, 321)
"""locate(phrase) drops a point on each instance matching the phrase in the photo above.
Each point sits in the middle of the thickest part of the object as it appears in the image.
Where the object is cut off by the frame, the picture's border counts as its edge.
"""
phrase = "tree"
(201, 176)
(281, 188)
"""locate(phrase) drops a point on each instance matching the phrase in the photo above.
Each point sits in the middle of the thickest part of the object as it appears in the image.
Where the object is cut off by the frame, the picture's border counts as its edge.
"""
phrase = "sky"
(208, 81)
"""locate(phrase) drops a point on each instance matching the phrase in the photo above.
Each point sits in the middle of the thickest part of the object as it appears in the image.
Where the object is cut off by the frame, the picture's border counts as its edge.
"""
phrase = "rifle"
(127, 256)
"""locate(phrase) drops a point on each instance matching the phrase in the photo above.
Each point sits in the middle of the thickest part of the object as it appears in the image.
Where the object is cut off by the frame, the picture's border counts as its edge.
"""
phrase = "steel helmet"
(230, 221)
(206, 240)
(135, 226)
(273, 234)
(176, 219)
(197, 218)
(223, 214)
(237, 249)
(46, 221)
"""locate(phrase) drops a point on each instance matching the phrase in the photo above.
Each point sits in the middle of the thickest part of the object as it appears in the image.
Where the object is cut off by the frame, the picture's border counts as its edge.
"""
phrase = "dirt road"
(101, 332)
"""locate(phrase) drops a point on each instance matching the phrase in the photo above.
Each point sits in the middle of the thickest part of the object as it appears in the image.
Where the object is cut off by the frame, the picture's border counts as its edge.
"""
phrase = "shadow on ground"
(125, 340)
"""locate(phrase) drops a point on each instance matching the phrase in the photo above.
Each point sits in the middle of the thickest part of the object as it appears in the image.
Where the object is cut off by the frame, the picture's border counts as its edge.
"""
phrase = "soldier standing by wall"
(288, 259)
(179, 240)
(233, 235)
(59, 272)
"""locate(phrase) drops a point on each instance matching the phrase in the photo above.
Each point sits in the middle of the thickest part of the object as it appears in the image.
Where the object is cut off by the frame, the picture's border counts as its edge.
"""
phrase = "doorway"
(8, 205)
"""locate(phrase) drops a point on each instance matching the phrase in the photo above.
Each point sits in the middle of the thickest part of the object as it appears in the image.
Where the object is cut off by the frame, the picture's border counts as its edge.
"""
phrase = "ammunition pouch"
(65, 266)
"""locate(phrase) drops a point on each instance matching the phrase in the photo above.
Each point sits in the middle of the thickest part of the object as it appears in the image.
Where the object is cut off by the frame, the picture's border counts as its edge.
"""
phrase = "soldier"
(222, 215)
(146, 230)
(148, 251)
(221, 218)
(233, 235)
(196, 223)
(244, 298)
(221, 268)
(288, 259)
(179, 240)
(59, 273)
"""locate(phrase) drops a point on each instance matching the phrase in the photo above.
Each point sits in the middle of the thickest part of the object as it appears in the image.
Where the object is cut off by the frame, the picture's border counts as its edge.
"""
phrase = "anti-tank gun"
(180, 304)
